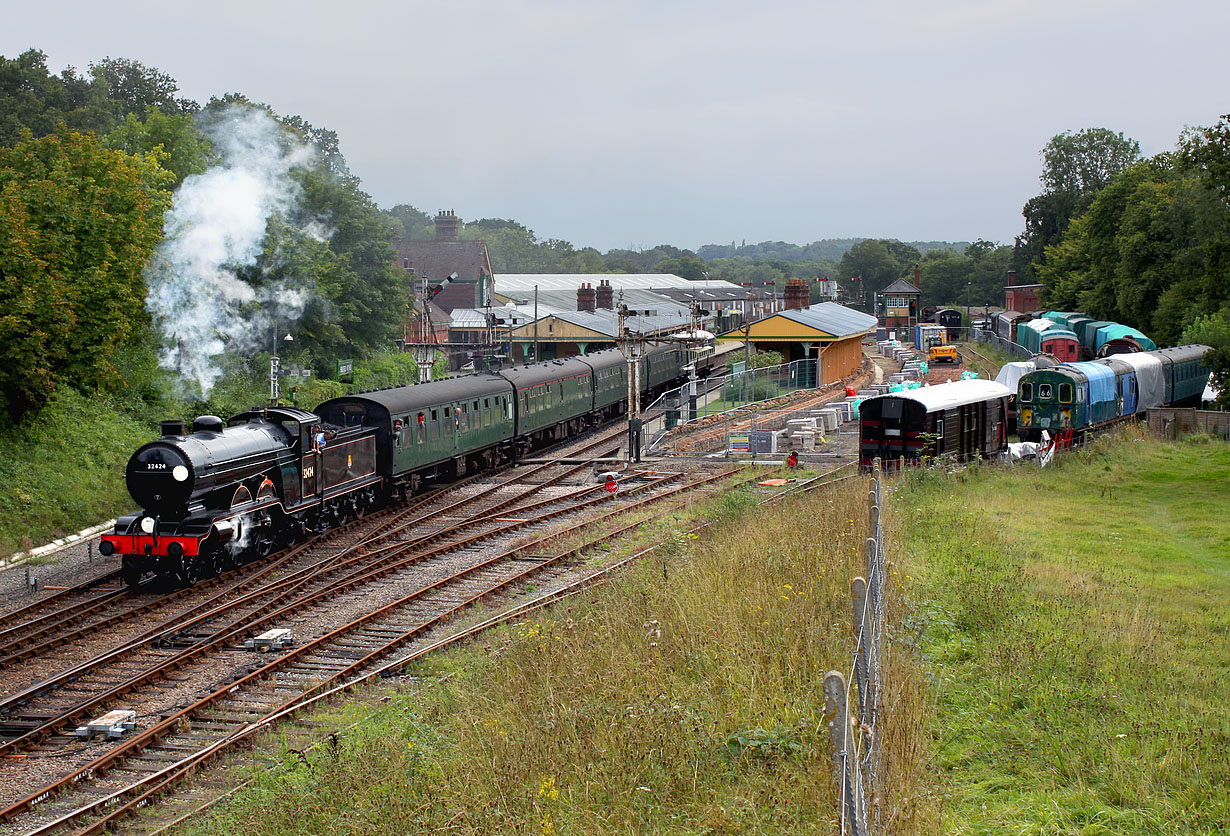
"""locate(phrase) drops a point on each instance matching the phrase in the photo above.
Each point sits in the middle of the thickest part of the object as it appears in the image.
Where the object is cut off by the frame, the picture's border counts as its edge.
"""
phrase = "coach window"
(1065, 393)
(422, 431)
(1027, 392)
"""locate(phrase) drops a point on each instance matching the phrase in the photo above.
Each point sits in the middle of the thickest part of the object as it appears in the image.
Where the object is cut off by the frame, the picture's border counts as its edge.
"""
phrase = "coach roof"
(956, 393)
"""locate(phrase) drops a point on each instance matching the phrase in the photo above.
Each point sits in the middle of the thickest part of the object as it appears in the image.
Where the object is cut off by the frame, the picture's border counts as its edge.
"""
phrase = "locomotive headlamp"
(147, 525)
(179, 473)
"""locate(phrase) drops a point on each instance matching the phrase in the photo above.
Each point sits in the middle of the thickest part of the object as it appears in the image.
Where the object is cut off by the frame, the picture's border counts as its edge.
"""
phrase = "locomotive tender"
(220, 495)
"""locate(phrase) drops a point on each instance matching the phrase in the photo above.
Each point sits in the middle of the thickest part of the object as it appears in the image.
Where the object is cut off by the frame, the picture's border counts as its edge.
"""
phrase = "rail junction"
(203, 669)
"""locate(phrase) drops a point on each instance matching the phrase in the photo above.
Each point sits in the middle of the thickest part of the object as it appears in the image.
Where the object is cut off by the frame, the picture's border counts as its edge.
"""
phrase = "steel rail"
(252, 620)
(170, 724)
(12, 616)
(185, 768)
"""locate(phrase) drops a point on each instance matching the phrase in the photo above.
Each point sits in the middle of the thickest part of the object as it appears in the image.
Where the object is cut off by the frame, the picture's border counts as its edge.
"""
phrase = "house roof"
(477, 318)
(437, 259)
(901, 286)
(525, 282)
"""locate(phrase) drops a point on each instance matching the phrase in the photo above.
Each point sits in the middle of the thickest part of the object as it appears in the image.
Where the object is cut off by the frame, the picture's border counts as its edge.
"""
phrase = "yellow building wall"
(780, 328)
(841, 358)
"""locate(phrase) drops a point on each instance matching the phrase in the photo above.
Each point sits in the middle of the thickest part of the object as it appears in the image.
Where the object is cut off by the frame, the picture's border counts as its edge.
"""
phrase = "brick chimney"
(796, 296)
(447, 226)
(1011, 278)
(917, 277)
(586, 297)
(605, 295)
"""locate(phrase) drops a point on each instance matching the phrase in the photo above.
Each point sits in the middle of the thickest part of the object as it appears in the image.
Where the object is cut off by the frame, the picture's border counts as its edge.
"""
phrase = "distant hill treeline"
(826, 249)
(90, 163)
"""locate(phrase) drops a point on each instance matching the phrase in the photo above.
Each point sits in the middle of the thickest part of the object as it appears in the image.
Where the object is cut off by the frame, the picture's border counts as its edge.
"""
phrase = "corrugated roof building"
(829, 331)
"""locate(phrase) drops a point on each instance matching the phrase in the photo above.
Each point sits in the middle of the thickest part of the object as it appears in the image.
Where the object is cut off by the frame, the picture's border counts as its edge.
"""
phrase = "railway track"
(100, 606)
(177, 810)
(155, 670)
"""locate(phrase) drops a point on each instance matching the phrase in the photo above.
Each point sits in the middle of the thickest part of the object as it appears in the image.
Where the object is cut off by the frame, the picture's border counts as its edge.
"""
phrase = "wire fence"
(700, 399)
(1007, 346)
(702, 417)
(854, 738)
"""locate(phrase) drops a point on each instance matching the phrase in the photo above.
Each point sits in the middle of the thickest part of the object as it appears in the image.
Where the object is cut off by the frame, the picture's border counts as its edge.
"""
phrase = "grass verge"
(682, 698)
(65, 470)
(1074, 626)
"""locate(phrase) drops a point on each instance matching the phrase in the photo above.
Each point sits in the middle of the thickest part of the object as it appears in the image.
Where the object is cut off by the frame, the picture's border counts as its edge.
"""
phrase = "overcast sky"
(629, 124)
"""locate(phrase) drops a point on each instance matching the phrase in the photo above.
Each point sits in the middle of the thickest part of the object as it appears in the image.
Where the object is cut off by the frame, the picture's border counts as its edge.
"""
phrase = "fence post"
(862, 633)
(845, 766)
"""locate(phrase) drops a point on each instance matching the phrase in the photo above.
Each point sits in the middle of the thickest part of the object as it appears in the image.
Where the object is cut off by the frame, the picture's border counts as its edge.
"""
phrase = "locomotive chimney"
(175, 427)
(447, 226)
(605, 295)
(586, 297)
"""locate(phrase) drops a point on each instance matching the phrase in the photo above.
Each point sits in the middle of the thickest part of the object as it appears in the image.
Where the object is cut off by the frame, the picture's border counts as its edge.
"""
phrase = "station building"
(829, 331)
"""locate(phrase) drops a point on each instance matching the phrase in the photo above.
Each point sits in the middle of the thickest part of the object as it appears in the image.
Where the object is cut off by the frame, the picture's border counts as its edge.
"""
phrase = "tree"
(77, 224)
(31, 98)
(686, 266)
(878, 262)
(187, 150)
(411, 224)
(1084, 163)
(1150, 251)
(138, 89)
(1213, 330)
(1075, 168)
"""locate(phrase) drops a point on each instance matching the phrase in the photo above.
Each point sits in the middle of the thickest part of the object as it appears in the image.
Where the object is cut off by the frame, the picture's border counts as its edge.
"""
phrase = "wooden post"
(862, 634)
(845, 766)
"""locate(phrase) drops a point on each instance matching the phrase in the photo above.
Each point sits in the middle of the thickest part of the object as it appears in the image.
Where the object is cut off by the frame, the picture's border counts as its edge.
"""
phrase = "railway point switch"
(113, 724)
(274, 639)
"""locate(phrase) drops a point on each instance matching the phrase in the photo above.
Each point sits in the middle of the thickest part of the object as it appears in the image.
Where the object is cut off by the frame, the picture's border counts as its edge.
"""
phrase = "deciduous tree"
(77, 223)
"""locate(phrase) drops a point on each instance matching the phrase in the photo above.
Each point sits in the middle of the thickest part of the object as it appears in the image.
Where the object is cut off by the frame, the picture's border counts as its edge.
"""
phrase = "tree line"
(1142, 241)
(89, 162)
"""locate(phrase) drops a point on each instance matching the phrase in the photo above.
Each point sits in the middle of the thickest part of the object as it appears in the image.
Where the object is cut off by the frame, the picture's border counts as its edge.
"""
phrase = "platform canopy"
(818, 323)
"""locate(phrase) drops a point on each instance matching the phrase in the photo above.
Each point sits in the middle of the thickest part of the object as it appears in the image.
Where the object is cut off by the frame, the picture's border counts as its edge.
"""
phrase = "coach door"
(309, 460)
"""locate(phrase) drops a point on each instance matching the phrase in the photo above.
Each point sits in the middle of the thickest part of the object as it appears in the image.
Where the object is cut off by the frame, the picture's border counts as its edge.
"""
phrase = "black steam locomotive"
(218, 496)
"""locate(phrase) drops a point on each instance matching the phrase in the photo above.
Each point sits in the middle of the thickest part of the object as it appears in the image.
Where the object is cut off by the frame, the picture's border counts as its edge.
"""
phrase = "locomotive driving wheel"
(131, 571)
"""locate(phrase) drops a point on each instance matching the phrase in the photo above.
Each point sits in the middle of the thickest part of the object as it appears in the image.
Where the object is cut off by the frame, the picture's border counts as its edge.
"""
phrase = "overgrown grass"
(1074, 625)
(64, 470)
(683, 698)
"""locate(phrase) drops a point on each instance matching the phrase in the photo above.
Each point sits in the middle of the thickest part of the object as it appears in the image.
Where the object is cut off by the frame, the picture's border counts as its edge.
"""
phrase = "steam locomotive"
(217, 496)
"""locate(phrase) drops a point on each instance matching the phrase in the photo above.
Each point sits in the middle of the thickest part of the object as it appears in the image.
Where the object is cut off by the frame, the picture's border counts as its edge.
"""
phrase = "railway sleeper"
(205, 724)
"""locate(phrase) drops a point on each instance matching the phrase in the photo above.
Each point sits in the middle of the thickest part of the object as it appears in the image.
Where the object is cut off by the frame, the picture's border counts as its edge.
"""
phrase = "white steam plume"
(216, 226)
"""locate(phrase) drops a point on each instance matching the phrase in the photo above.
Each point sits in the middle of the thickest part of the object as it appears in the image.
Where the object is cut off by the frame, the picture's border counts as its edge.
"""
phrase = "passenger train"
(217, 494)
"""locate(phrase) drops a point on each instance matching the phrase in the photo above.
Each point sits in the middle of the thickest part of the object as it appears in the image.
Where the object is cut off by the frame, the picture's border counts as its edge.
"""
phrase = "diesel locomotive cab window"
(1065, 393)
(1027, 391)
(1045, 392)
